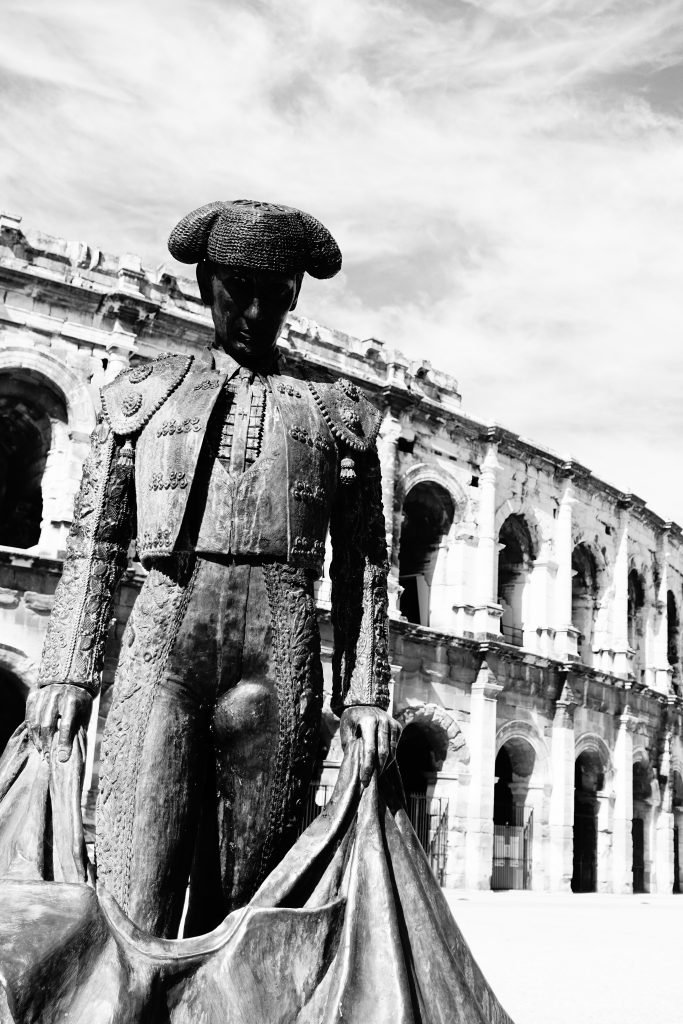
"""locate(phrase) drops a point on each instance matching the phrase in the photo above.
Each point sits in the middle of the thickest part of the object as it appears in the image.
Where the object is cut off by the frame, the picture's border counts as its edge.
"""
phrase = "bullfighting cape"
(350, 927)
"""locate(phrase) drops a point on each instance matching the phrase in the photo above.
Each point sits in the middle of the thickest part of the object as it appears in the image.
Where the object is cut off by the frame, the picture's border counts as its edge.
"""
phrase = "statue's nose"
(253, 310)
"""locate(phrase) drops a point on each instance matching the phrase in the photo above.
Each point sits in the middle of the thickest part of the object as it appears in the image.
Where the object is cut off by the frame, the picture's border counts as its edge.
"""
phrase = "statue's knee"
(244, 713)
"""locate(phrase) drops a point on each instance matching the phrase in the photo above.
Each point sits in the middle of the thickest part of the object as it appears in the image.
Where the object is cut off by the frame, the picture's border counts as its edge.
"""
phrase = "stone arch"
(48, 416)
(449, 740)
(521, 730)
(55, 374)
(590, 742)
(592, 788)
(586, 586)
(428, 473)
(517, 553)
(17, 675)
(428, 512)
(637, 625)
(515, 506)
(642, 779)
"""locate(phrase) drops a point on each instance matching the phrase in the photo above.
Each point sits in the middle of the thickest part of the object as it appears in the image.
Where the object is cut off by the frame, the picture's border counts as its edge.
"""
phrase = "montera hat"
(259, 236)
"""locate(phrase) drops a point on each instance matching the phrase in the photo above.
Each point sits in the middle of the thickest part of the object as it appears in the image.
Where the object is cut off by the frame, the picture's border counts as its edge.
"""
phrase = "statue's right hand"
(59, 706)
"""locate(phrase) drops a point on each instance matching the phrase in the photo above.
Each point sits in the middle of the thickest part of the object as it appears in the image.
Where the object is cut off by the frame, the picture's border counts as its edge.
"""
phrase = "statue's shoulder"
(348, 412)
(133, 397)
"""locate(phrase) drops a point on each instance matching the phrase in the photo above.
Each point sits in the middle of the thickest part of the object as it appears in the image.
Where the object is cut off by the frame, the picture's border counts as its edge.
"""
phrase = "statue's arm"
(359, 590)
(96, 557)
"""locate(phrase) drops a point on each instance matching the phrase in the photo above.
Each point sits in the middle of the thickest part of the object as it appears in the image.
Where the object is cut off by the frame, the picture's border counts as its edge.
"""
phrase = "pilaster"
(482, 744)
(661, 669)
(488, 611)
(387, 449)
(561, 817)
(622, 839)
(566, 635)
(664, 825)
(623, 655)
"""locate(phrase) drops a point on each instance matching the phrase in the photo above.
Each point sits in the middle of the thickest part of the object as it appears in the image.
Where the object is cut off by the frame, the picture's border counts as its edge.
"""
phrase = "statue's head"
(251, 258)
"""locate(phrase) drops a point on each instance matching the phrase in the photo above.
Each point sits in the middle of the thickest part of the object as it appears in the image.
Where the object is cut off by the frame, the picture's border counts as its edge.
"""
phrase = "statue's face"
(249, 308)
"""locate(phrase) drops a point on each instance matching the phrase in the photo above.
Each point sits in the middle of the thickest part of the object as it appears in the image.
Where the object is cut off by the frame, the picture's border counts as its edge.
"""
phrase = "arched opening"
(515, 559)
(673, 636)
(584, 599)
(677, 808)
(512, 817)
(589, 780)
(422, 747)
(428, 513)
(642, 791)
(28, 412)
(12, 705)
(636, 621)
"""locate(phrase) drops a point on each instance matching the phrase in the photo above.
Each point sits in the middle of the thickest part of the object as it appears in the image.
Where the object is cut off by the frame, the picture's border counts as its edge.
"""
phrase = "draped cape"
(350, 927)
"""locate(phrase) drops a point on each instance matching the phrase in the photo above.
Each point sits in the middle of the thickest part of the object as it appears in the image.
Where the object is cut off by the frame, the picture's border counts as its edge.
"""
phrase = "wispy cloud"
(505, 179)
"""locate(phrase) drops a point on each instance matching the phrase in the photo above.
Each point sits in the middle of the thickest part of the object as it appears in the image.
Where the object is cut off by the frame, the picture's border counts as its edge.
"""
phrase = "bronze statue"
(228, 467)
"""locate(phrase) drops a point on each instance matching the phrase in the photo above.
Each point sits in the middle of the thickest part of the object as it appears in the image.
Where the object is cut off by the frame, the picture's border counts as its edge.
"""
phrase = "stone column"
(561, 818)
(537, 604)
(622, 838)
(487, 610)
(58, 488)
(119, 350)
(323, 586)
(445, 585)
(387, 448)
(623, 655)
(451, 780)
(482, 744)
(604, 858)
(664, 826)
(661, 670)
(565, 634)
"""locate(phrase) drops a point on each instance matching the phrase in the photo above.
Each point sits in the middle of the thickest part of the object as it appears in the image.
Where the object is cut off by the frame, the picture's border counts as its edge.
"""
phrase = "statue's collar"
(217, 359)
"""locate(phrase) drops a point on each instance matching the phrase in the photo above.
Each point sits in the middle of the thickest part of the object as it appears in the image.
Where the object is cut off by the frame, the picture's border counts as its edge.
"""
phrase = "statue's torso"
(232, 467)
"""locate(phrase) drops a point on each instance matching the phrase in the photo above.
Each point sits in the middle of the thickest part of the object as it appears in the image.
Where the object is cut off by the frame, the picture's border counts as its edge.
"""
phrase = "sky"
(504, 178)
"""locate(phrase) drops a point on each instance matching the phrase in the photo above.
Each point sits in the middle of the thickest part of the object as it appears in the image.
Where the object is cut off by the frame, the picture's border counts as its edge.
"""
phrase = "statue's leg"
(266, 732)
(157, 743)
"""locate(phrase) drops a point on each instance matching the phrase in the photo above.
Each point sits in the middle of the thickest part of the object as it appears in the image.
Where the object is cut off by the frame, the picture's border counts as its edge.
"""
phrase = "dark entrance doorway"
(12, 705)
(512, 823)
(588, 781)
(642, 791)
(428, 814)
(428, 512)
(638, 836)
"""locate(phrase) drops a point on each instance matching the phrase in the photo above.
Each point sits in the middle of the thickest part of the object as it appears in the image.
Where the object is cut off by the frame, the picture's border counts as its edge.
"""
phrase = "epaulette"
(351, 417)
(133, 397)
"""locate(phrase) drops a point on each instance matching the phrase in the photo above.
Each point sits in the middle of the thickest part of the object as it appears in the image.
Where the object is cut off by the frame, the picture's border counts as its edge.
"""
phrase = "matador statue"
(229, 468)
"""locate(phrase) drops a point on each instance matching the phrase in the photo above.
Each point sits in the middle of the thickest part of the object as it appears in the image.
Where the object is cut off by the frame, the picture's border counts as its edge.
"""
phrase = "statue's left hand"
(378, 733)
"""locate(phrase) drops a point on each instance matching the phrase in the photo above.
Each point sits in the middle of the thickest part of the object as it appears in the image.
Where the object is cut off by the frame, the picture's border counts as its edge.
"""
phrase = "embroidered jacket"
(150, 473)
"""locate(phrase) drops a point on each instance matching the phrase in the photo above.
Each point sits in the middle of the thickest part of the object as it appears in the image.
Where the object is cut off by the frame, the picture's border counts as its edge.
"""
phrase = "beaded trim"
(340, 430)
(171, 386)
(140, 373)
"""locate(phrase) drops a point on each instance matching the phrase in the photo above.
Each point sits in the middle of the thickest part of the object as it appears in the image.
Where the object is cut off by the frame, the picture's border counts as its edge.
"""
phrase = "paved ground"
(578, 959)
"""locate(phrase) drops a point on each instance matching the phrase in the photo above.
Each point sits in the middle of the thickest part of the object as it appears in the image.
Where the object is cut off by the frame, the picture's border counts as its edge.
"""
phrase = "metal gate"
(512, 846)
(316, 800)
(428, 816)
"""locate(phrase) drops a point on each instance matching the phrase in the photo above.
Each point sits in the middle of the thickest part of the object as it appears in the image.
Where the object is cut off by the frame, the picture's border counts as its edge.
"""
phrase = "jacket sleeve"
(96, 557)
(360, 662)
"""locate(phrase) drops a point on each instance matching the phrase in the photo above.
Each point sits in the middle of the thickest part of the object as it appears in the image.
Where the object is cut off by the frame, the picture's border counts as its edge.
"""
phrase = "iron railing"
(428, 816)
(512, 849)
(512, 634)
(316, 799)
